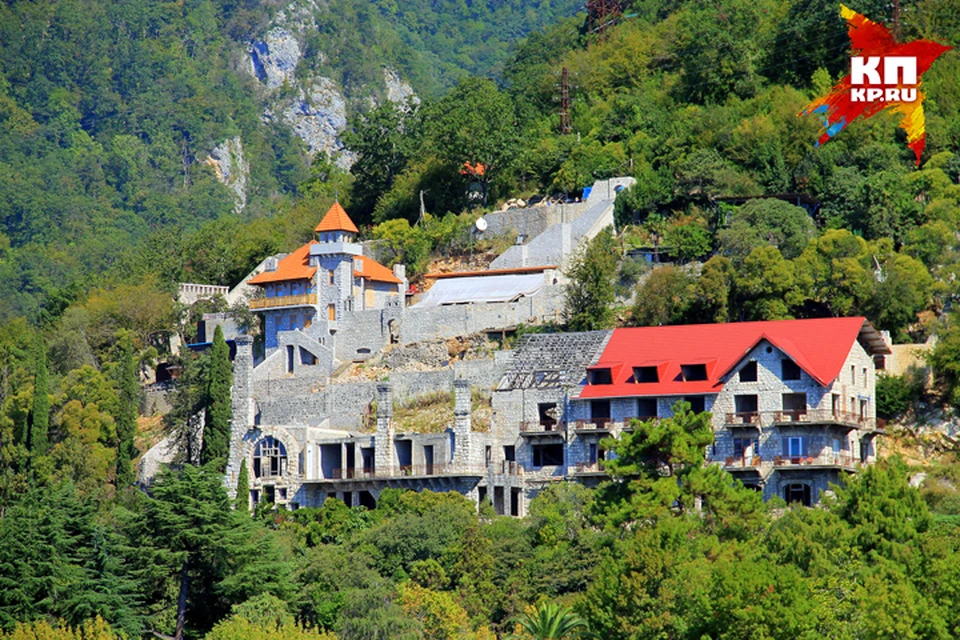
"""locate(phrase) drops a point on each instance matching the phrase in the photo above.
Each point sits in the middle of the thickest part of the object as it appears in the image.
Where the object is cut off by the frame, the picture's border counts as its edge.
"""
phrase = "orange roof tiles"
(373, 270)
(337, 219)
(295, 266)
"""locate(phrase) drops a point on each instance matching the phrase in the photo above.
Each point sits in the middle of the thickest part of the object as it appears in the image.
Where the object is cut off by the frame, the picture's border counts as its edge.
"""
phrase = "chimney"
(383, 442)
(461, 422)
(400, 271)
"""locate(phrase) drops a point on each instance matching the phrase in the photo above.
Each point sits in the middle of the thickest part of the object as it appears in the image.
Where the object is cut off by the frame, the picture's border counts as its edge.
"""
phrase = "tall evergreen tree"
(216, 428)
(127, 417)
(590, 294)
(243, 489)
(38, 441)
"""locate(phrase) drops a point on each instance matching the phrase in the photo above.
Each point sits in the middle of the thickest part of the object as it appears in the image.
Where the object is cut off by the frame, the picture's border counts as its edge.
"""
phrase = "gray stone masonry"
(242, 415)
(463, 441)
(384, 442)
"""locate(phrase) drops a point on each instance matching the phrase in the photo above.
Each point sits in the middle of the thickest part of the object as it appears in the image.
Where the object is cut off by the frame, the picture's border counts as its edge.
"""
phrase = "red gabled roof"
(295, 266)
(370, 269)
(337, 219)
(818, 346)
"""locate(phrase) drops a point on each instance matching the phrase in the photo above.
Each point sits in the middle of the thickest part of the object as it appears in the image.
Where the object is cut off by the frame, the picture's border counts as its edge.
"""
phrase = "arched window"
(269, 458)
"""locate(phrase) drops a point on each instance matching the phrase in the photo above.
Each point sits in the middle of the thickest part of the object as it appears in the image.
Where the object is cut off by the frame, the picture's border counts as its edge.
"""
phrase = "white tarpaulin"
(481, 289)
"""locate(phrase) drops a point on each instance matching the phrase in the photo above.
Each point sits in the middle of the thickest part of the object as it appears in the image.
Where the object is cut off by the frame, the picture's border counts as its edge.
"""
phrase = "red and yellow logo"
(883, 75)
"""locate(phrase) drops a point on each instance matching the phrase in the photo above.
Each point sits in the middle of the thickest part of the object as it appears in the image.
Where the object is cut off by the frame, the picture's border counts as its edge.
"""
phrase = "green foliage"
(38, 440)
(590, 293)
(550, 621)
(129, 400)
(766, 223)
(242, 502)
(895, 396)
(216, 430)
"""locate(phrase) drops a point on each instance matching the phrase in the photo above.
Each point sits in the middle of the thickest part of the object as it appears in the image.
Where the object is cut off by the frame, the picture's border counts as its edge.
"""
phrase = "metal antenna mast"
(565, 102)
(602, 14)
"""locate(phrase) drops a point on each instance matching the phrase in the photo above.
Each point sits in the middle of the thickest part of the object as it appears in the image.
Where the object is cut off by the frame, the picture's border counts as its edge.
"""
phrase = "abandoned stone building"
(793, 407)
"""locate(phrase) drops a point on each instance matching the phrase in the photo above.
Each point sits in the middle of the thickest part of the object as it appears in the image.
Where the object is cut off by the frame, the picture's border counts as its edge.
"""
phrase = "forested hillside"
(108, 114)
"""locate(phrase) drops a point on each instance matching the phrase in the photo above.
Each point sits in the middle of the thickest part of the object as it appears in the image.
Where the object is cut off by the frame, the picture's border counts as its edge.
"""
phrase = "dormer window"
(600, 376)
(693, 372)
(645, 374)
(791, 370)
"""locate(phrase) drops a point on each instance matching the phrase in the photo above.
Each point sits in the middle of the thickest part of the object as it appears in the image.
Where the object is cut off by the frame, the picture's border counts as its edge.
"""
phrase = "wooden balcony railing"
(302, 300)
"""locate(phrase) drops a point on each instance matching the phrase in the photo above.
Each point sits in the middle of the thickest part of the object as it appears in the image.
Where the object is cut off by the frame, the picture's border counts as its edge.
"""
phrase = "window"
(791, 371)
(746, 447)
(282, 494)
(797, 493)
(794, 405)
(331, 312)
(599, 409)
(509, 453)
(696, 403)
(269, 458)
(836, 446)
(794, 447)
(864, 377)
(853, 374)
(600, 376)
(547, 455)
(748, 373)
(693, 372)
(330, 276)
(646, 408)
(547, 412)
(592, 453)
(746, 406)
(645, 374)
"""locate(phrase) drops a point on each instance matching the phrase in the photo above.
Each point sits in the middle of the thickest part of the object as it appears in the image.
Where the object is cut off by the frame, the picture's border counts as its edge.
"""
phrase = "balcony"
(403, 471)
(595, 425)
(541, 428)
(303, 300)
(759, 419)
(743, 463)
(587, 468)
(825, 459)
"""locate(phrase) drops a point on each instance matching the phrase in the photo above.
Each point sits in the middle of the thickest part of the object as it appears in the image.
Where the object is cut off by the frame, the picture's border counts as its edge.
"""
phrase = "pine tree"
(216, 428)
(243, 489)
(127, 418)
(40, 419)
(590, 294)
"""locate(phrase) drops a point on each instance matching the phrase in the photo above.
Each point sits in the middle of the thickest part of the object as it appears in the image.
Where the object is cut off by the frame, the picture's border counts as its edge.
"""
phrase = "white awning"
(480, 289)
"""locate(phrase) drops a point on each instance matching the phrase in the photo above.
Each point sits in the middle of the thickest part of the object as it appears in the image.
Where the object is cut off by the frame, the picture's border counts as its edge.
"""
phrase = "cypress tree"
(216, 427)
(127, 418)
(243, 489)
(40, 418)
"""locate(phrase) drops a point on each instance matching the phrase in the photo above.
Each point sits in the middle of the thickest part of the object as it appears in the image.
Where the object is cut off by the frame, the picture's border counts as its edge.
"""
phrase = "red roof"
(372, 270)
(295, 266)
(336, 219)
(818, 346)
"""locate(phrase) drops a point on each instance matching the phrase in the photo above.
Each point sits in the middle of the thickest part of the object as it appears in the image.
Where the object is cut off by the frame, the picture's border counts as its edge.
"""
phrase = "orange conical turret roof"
(337, 220)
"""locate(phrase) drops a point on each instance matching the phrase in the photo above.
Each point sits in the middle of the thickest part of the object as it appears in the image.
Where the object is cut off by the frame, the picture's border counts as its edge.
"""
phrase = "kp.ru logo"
(897, 70)
(885, 75)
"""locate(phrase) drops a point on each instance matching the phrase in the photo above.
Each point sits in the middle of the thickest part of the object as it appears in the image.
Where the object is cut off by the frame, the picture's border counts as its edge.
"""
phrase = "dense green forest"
(106, 112)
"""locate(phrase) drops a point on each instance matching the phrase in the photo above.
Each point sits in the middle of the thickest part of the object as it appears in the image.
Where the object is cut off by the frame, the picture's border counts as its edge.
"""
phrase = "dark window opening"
(289, 358)
(697, 403)
(348, 498)
(404, 455)
(794, 405)
(646, 408)
(481, 494)
(510, 453)
(600, 376)
(645, 374)
(367, 460)
(791, 370)
(269, 494)
(307, 358)
(547, 412)
(600, 409)
(269, 458)
(748, 373)
(746, 407)
(693, 372)
(515, 502)
(797, 493)
(282, 494)
(498, 500)
(367, 500)
(745, 447)
(547, 455)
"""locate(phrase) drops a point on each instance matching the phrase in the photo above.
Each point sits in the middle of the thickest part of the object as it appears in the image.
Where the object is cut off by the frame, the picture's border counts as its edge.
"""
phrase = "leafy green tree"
(550, 621)
(766, 222)
(590, 294)
(216, 429)
(714, 293)
(39, 441)
(663, 298)
(767, 286)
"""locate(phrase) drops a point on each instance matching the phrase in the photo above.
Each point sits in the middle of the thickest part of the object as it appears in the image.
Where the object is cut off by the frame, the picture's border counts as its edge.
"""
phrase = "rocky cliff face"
(232, 169)
(311, 105)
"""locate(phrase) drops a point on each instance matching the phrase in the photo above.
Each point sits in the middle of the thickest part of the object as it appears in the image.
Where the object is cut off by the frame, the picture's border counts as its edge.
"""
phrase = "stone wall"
(531, 221)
